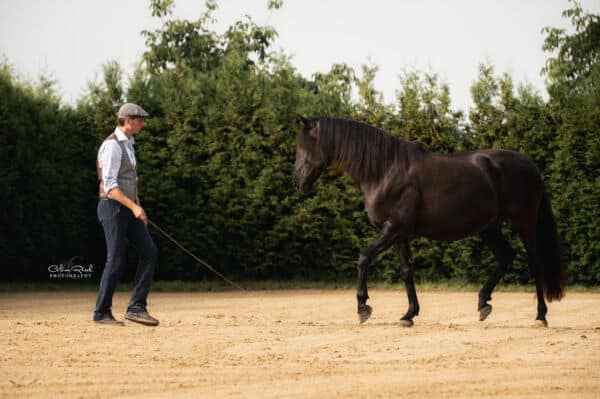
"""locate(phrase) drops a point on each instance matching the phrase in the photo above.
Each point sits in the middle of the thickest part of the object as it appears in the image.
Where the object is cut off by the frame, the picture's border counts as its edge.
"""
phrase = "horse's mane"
(363, 151)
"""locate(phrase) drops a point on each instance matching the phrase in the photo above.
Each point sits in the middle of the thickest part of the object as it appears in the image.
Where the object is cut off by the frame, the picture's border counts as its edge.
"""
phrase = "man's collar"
(122, 136)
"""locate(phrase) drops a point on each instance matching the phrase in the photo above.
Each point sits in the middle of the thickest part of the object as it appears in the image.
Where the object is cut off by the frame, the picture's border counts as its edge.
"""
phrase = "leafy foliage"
(573, 76)
(46, 184)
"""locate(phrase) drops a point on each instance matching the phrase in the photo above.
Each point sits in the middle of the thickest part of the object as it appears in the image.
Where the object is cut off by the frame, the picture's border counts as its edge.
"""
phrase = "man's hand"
(139, 213)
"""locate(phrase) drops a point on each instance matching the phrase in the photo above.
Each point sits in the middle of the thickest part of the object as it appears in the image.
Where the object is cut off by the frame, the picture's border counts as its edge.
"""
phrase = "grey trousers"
(120, 226)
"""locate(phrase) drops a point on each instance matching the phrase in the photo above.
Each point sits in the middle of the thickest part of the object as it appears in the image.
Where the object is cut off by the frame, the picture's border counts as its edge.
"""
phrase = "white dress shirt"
(109, 158)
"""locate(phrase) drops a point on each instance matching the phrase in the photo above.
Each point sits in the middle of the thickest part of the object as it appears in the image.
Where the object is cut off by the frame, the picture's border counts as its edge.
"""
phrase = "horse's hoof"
(541, 323)
(364, 314)
(484, 312)
(406, 323)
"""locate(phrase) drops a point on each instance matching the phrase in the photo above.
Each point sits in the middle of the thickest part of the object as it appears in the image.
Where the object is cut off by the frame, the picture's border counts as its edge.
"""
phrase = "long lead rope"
(197, 259)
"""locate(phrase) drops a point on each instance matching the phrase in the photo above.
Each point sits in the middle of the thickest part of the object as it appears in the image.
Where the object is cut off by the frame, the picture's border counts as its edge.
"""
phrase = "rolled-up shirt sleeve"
(109, 158)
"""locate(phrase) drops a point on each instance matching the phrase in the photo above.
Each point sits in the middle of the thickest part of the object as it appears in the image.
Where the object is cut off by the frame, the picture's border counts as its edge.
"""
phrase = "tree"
(573, 73)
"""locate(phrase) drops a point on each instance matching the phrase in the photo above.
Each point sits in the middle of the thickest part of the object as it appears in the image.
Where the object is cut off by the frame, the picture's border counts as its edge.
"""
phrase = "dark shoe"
(141, 317)
(108, 320)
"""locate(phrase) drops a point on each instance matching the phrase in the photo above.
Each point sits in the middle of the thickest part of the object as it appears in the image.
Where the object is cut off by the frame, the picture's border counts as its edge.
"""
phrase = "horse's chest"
(385, 202)
(373, 216)
(370, 207)
(375, 212)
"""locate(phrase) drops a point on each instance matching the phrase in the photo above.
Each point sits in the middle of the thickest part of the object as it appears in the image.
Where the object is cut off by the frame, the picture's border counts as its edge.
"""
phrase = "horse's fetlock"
(362, 298)
(414, 309)
(484, 296)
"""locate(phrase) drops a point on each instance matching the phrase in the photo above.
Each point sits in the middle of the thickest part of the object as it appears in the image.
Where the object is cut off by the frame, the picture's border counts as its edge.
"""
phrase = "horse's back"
(458, 194)
(470, 191)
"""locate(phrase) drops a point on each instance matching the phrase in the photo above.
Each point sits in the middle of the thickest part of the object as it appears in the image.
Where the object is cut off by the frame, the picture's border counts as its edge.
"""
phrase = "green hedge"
(216, 157)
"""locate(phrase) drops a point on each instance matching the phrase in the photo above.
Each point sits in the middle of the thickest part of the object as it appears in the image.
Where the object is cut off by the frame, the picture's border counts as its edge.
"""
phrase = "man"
(123, 219)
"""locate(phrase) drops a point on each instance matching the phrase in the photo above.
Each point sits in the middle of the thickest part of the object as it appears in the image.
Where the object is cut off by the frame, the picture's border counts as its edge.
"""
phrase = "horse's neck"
(339, 166)
(408, 152)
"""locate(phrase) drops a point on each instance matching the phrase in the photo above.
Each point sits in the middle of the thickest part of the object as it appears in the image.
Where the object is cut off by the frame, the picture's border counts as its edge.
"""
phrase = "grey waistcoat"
(127, 177)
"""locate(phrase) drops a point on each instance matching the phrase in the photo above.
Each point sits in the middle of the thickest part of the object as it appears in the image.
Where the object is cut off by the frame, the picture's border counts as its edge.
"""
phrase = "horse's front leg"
(384, 240)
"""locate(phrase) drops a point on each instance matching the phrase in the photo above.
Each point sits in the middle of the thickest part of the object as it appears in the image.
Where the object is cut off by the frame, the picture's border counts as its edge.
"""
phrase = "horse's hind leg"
(504, 254)
(406, 271)
(527, 234)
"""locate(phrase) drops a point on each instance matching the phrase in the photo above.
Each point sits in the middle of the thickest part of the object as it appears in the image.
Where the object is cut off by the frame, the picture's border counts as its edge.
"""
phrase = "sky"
(70, 40)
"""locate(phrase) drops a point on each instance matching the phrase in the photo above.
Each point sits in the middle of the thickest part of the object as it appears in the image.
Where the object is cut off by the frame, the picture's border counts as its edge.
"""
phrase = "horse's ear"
(311, 125)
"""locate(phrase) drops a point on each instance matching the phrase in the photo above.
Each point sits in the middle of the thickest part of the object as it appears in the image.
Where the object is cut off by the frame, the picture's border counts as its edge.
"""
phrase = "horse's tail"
(550, 262)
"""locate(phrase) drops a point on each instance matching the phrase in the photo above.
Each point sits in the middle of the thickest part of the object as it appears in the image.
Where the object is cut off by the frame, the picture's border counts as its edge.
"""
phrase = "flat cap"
(131, 110)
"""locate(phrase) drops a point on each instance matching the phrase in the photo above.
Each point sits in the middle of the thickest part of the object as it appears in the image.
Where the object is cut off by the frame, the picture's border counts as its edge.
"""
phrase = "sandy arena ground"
(300, 344)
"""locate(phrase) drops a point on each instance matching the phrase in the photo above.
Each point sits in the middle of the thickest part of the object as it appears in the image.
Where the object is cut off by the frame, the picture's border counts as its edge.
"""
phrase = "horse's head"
(309, 158)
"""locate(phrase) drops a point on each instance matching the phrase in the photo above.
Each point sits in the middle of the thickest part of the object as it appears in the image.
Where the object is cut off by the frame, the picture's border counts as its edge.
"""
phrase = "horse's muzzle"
(301, 187)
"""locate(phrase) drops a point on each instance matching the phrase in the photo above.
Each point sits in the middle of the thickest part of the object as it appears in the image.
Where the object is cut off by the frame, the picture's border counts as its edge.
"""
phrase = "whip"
(197, 259)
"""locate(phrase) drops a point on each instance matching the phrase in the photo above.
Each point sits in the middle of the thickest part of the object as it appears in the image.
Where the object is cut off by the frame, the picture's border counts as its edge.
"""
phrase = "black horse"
(409, 192)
